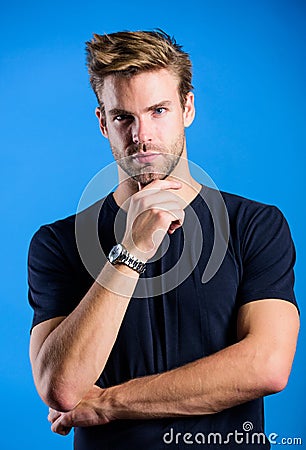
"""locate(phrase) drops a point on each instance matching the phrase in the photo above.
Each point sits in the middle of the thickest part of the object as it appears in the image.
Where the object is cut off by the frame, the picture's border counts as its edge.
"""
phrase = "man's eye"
(122, 117)
(160, 111)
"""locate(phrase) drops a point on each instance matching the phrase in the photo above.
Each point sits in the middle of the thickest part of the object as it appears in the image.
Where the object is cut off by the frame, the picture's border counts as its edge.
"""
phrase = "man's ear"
(102, 122)
(189, 110)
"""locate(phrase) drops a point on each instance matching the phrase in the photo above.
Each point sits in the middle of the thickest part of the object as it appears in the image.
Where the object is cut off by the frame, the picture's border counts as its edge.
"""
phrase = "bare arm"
(68, 354)
(259, 364)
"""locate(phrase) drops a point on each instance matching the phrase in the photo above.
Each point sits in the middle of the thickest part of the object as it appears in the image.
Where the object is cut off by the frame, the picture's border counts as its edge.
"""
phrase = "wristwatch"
(120, 255)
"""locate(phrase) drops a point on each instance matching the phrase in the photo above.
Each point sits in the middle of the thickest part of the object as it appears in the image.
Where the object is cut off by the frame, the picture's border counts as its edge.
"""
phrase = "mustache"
(137, 148)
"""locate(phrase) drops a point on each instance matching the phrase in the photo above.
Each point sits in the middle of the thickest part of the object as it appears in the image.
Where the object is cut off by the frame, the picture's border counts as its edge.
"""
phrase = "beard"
(159, 169)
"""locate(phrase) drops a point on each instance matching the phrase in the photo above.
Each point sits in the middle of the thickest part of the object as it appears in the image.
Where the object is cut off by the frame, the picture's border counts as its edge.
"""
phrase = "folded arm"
(258, 364)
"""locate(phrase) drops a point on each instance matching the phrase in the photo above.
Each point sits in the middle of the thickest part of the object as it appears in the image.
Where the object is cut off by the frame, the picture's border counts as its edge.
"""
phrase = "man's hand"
(87, 413)
(153, 211)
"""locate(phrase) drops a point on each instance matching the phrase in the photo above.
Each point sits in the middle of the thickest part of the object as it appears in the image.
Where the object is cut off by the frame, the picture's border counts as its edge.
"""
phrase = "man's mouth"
(145, 158)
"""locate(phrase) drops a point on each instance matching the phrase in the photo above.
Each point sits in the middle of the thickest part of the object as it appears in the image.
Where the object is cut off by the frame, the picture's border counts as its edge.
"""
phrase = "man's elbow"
(276, 375)
(62, 402)
(277, 383)
(58, 396)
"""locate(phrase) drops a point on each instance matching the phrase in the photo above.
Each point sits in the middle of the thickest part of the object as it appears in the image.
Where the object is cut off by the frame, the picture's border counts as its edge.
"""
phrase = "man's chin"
(146, 178)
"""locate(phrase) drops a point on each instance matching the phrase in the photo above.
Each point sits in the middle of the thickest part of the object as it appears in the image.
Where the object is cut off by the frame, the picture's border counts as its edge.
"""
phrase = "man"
(142, 354)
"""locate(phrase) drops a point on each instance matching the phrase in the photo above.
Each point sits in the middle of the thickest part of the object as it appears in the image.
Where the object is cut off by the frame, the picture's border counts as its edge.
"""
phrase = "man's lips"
(144, 158)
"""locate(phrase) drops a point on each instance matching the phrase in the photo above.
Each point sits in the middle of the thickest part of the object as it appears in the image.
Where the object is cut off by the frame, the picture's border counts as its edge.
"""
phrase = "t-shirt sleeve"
(268, 257)
(50, 277)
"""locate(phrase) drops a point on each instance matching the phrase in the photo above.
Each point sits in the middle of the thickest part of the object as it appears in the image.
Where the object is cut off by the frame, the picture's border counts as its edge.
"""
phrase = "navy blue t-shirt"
(174, 317)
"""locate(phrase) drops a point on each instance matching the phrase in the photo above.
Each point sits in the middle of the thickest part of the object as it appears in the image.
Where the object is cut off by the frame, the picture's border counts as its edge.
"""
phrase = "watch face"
(115, 253)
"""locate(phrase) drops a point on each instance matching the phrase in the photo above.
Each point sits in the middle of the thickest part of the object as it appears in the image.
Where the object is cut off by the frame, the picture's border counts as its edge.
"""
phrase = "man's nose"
(142, 131)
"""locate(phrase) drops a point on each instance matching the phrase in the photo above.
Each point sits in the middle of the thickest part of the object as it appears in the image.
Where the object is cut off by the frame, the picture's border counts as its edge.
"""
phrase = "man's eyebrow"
(123, 112)
(118, 112)
(159, 105)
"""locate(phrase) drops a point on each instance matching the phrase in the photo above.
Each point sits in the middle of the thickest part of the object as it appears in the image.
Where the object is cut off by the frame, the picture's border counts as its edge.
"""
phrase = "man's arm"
(69, 353)
(259, 364)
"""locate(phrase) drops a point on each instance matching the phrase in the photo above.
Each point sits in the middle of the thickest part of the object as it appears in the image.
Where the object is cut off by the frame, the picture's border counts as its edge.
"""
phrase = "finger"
(174, 226)
(63, 431)
(171, 207)
(156, 198)
(160, 184)
(59, 428)
(53, 415)
(178, 215)
(157, 195)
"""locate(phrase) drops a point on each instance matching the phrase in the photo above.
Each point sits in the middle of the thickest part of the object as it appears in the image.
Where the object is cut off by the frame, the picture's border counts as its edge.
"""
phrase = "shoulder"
(60, 236)
(257, 224)
(51, 235)
(242, 211)
(243, 206)
(251, 226)
(250, 216)
(65, 227)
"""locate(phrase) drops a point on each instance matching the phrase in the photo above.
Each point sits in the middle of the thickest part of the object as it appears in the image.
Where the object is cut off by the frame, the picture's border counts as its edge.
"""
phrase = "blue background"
(249, 135)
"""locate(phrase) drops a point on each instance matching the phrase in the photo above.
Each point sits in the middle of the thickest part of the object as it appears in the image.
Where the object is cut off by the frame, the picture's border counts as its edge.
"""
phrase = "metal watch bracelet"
(120, 255)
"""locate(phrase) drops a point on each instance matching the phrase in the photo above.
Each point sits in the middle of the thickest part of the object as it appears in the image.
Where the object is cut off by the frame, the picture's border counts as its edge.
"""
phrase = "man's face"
(144, 122)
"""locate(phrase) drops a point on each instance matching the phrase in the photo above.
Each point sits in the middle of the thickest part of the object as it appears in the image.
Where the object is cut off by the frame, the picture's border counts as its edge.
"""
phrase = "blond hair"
(127, 53)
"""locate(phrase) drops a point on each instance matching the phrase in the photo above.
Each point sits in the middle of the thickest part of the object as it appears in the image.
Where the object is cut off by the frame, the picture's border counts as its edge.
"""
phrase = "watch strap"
(129, 260)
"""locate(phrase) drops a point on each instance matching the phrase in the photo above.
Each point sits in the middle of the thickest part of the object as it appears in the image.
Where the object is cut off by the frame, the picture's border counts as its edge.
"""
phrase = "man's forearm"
(257, 365)
(206, 386)
(74, 354)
